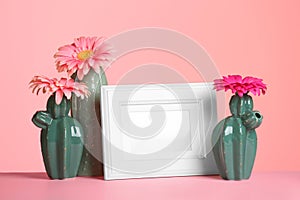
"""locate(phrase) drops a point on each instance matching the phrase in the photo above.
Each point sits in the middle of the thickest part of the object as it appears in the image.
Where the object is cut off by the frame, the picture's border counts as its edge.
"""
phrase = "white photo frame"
(157, 130)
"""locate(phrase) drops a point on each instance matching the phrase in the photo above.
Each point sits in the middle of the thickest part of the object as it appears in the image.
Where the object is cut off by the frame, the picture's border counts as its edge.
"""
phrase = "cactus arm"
(252, 120)
(42, 119)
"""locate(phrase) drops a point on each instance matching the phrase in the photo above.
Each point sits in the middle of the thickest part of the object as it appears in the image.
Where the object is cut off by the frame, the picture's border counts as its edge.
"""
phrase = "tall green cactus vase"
(87, 112)
(61, 139)
(235, 139)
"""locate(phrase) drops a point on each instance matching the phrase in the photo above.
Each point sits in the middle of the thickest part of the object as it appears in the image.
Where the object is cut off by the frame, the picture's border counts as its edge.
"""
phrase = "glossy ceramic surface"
(61, 139)
(236, 139)
(87, 112)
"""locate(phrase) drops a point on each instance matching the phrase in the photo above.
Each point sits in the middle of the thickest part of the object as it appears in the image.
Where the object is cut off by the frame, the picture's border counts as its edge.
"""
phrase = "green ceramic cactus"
(87, 112)
(235, 139)
(61, 139)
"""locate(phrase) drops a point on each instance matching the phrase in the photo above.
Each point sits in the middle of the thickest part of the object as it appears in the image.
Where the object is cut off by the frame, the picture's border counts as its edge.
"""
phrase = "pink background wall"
(259, 38)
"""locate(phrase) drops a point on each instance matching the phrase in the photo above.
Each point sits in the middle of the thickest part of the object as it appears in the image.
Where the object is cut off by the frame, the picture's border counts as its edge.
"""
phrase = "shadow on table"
(30, 175)
(43, 176)
(37, 175)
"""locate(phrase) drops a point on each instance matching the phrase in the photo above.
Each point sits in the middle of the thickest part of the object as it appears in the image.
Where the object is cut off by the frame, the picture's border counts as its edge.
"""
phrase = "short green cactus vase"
(61, 139)
(235, 139)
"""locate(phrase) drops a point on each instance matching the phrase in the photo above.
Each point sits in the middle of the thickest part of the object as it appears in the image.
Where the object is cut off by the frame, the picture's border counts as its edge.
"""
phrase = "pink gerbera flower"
(240, 85)
(60, 87)
(82, 55)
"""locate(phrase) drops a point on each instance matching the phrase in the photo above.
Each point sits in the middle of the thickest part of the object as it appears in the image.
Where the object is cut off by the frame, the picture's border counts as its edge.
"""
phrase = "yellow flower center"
(83, 55)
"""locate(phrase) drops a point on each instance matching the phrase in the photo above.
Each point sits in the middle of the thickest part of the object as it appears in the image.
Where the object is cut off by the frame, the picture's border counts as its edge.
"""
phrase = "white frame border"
(207, 164)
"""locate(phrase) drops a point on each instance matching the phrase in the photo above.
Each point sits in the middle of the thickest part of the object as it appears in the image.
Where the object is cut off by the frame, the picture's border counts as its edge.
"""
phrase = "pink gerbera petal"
(58, 96)
(61, 87)
(96, 69)
(84, 53)
(238, 84)
(67, 93)
(80, 74)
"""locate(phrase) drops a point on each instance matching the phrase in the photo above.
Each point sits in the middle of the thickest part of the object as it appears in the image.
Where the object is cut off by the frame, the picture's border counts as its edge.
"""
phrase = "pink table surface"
(269, 185)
